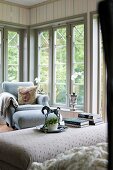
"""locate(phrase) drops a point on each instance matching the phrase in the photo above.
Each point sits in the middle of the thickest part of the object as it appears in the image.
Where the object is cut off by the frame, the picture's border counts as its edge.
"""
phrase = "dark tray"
(61, 128)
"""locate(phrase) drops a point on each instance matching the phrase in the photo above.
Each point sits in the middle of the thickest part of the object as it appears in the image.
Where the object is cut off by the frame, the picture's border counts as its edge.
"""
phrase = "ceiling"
(26, 2)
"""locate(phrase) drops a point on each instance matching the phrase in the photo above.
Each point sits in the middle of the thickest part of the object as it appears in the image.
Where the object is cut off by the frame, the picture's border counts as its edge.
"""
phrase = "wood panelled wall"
(14, 14)
(61, 9)
(51, 10)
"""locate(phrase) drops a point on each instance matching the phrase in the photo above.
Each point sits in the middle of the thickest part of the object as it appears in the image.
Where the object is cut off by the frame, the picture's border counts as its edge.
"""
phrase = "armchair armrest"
(42, 99)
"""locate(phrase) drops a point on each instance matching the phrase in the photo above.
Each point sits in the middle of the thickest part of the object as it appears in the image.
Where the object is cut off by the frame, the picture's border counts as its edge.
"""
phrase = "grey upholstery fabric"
(29, 107)
(28, 118)
(12, 88)
(22, 147)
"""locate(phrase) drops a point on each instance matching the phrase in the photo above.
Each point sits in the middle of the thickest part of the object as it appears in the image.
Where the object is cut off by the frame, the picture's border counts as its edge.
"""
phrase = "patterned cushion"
(27, 95)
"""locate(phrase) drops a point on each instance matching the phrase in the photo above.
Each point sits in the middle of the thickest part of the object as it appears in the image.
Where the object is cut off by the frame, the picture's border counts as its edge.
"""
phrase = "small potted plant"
(51, 122)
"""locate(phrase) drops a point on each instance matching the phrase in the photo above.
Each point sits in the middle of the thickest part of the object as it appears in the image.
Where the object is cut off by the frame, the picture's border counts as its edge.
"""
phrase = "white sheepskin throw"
(79, 158)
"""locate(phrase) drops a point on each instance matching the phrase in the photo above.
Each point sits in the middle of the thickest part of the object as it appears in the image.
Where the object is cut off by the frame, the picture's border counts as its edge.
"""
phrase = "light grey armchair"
(12, 88)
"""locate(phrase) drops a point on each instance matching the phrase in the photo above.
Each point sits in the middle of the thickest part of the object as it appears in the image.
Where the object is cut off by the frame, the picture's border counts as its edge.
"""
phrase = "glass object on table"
(73, 100)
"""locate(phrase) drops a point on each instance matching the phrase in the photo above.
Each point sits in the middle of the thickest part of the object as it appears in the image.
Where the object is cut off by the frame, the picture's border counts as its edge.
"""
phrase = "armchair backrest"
(12, 87)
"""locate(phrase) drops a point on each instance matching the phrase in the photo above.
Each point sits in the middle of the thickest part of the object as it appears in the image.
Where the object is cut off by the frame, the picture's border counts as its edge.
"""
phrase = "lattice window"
(60, 65)
(43, 60)
(13, 56)
(78, 62)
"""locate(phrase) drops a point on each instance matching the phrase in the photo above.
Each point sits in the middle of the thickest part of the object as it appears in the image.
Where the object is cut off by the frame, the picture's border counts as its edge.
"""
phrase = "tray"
(61, 128)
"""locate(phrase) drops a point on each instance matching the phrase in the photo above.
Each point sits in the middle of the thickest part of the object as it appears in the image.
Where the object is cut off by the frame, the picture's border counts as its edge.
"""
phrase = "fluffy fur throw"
(79, 158)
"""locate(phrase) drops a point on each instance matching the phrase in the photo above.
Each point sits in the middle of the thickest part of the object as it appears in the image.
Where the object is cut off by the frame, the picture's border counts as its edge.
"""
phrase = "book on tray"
(76, 122)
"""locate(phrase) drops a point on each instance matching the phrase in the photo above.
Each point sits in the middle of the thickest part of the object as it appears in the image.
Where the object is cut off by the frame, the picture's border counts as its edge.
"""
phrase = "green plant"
(51, 121)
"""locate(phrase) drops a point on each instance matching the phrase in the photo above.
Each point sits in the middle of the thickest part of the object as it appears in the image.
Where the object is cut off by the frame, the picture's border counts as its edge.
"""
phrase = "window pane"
(60, 54)
(12, 72)
(43, 73)
(78, 62)
(13, 56)
(79, 88)
(43, 60)
(60, 65)
(60, 93)
(60, 70)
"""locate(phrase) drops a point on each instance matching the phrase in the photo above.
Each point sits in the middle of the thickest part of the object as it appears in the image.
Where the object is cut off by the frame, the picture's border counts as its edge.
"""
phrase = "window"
(13, 56)
(59, 81)
(43, 60)
(78, 62)
(61, 54)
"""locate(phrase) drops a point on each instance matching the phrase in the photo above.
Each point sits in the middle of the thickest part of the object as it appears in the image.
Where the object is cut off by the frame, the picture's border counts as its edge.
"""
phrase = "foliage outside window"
(78, 62)
(13, 56)
(60, 65)
(43, 60)
(53, 59)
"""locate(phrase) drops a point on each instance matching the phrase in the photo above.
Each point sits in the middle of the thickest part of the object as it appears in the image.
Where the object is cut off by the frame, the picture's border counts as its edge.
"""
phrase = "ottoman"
(28, 118)
(18, 149)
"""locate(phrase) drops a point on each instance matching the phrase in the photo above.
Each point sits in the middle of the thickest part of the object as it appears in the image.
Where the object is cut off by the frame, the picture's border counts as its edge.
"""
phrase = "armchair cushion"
(27, 95)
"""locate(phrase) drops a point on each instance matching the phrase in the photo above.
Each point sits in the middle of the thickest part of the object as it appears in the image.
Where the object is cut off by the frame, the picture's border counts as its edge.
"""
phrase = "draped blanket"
(6, 99)
(78, 158)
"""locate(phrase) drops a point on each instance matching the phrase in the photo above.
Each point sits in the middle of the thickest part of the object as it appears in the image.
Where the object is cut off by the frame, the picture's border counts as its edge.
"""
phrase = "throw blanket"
(79, 158)
(5, 101)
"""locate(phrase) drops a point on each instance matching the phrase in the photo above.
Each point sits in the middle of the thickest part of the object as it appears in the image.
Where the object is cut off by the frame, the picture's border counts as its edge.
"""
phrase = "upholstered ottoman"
(18, 149)
(28, 118)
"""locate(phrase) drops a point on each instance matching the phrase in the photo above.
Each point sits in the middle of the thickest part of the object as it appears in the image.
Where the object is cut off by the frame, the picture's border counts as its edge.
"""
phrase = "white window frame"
(21, 52)
(68, 62)
(96, 106)
(38, 57)
(53, 84)
(74, 24)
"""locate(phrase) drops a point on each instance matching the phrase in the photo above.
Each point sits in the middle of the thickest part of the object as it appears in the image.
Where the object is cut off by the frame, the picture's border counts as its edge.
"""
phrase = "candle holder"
(73, 99)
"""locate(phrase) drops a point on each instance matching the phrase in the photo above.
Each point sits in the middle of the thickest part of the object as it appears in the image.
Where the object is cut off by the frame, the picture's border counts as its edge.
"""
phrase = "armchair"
(12, 88)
